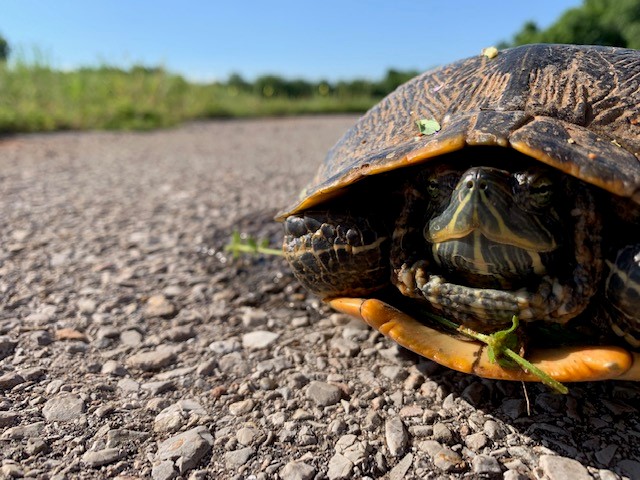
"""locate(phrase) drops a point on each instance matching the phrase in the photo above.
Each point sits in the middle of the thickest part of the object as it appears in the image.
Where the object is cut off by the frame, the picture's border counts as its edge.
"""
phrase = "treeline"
(275, 86)
(595, 22)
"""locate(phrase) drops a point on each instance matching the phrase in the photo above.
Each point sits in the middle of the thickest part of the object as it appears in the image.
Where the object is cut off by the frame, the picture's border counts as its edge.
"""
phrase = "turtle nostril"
(470, 184)
(483, 185)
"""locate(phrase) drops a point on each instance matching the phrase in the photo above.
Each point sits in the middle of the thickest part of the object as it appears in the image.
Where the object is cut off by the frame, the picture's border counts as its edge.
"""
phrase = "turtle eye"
(433, 188)
(542, 192)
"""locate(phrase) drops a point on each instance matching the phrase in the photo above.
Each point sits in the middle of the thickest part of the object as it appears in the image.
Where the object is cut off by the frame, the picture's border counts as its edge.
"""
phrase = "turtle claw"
(564, 364)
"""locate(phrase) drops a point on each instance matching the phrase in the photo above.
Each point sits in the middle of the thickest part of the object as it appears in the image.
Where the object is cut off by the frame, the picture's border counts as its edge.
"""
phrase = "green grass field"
(35, 97)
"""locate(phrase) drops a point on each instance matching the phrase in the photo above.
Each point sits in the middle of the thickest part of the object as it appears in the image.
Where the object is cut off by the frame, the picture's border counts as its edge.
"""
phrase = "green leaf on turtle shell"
(428, 126)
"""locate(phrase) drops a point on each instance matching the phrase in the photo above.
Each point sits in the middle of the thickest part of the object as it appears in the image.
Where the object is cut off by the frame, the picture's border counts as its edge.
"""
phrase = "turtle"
(494, 187)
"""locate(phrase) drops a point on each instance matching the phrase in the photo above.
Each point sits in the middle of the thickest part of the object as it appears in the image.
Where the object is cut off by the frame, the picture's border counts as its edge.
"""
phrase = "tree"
(595, 22)
(4, 49)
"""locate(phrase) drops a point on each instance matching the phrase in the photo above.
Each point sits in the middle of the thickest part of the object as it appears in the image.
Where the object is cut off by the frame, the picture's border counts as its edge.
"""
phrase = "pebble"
(442, 433)
(237, 458)
(399, 472)
(605, 455)
(36, 445)
(395, 373)
(348, 446)
(10, 380)
(396, 436)
(87, 306)
(164, 470)
(222, 347)
(131, 338)
(247, 436)
(485, 465)
(112, 367)
(630, 468)
(340, 467)
(31, 430)
(259, 339)
(297, 470)
(186, 449)
(560, 468)
(174, 417)
(344, 347)
(7, 346)
(242, 407)
(253, 318)
(98, 458)
(153, 360)
(323, 394)
(8, 418)
(159, 306)
(476, 441)
(493, 430)
(70, 334)
(65, 407)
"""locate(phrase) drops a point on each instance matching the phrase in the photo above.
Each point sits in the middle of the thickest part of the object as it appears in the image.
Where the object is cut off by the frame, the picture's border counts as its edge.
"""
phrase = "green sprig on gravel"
(241, 243)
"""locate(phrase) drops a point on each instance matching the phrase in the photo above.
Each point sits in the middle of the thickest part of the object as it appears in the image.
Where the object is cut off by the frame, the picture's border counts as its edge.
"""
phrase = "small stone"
(164, 471)
(131, 337)
(605, 455)
(7, 346)
(411, 411)
(222, 347)
(630, 468)
(340, 467)
(493, 430)
(394, 372)
(159, 306)
(323, 394)
(98, 458)
(242, 407)
(476, 441)
(399, 472)
(24, 431)
(186, 449)
(207, 367)
(237, 458)
(161, 386)
(65, 407)
(372, 421)
(154, 360)
(10, 380)
(514, 407)
(111, 367)
(8, 418)
(11, 470)
(128, 385)
(36, 446)
(442, 434)
(253, 318)
(174, 417)
(344, 347)
(348, 446)
(447, 460)
(122, 437)
(33, 374)
(396, 436)
(247, 436)
(70, 334)
(87, 306)
(486, 465)
(297, 471)
(259, 339)
(42, 338)
(180, 333)
(560, 468)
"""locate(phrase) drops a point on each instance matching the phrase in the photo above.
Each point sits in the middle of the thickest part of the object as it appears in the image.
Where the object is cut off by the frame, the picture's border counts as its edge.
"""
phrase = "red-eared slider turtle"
(522, 197)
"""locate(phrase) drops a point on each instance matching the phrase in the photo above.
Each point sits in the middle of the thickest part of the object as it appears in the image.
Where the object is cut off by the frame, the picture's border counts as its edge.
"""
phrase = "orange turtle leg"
(565, 364)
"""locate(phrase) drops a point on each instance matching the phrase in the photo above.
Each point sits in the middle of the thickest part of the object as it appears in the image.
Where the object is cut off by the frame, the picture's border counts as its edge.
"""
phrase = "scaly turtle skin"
(526, 202)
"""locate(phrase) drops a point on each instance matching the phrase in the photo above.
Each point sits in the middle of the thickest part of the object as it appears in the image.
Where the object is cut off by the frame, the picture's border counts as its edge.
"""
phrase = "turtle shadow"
(596, 423)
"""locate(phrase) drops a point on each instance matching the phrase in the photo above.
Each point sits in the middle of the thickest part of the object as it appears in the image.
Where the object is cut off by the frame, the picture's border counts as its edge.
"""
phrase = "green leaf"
(428, 126)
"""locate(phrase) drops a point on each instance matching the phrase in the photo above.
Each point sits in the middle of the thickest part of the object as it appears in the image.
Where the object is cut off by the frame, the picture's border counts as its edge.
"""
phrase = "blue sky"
(330, 39)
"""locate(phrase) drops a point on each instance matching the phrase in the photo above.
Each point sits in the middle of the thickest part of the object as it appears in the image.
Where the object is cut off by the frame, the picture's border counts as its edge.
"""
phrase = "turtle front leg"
(335, 254)
(622, 290)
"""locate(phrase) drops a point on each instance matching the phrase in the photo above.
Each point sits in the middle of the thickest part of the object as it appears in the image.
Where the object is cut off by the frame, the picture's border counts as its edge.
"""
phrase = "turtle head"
(492, 226)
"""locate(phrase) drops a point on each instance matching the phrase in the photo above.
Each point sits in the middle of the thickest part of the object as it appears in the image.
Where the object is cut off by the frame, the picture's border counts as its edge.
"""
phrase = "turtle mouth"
(484, 263)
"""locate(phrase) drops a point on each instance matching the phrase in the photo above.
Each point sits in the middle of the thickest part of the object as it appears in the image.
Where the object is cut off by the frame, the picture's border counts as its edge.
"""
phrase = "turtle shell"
(575, 108)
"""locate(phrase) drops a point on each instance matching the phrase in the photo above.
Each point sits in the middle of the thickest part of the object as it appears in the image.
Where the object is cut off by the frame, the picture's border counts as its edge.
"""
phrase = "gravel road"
(133, 346)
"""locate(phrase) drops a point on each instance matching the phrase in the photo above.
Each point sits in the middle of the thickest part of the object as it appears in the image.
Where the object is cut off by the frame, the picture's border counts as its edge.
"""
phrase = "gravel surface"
(133, 346)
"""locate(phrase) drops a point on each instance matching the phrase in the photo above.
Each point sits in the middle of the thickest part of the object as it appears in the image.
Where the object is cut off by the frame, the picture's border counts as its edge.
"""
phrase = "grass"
(35, 97)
